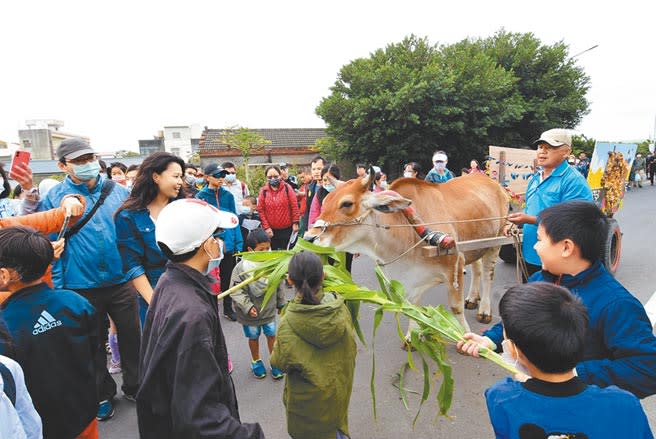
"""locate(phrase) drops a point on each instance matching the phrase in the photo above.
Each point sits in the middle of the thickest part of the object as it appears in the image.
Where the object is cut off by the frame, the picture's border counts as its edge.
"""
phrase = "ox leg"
(474, 296)
(456, 291)
(411, 323)
(489, 262)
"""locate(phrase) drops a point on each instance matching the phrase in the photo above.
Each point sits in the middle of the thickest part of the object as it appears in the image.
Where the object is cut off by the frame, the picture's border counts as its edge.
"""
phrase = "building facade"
(182, 140)
(295, 146)
(43, 136)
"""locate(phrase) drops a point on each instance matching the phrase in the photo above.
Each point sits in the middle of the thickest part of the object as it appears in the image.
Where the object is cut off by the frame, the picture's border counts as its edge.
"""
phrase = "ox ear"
(386, 202)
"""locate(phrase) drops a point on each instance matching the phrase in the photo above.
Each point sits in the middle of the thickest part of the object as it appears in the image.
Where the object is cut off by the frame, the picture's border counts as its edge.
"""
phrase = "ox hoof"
(471, 304)
(484, 318)
(406, 345)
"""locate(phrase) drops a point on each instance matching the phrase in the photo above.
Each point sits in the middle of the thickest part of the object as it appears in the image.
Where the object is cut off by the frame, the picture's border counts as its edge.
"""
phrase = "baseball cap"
(73, 148)
(555, 137)
(440, 157)
(283, 165)
(213, 169)
(183, 225)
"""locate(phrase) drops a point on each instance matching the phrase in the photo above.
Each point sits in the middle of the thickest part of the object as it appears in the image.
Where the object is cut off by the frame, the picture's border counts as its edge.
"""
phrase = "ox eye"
(346, 204)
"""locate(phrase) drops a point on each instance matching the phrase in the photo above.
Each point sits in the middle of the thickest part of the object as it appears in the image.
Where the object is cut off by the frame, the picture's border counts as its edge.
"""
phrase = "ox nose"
(309, 238)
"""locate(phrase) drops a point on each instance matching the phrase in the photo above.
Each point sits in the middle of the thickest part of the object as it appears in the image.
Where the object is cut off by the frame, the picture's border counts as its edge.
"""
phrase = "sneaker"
(130, 397)
(105, 410)
(230, 315)
(108, 348)
(258, 369)
(276, 373)
(114, 367)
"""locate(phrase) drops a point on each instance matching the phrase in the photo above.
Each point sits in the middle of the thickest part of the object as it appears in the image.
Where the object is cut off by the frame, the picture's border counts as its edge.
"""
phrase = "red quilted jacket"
(277, 209)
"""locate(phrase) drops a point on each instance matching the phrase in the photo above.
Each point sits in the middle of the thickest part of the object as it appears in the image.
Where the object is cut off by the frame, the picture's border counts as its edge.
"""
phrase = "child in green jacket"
(248, 303)
(316, 348)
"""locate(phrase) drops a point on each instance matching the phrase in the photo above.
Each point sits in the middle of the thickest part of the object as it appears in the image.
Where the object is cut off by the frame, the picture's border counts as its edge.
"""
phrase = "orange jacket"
(50, 221)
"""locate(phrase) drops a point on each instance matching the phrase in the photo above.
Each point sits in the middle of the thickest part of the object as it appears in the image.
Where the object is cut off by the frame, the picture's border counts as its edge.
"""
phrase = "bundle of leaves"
(437, 327)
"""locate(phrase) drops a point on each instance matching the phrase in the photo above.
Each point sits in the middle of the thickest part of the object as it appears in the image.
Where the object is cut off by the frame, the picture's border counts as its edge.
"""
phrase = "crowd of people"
(129, 261)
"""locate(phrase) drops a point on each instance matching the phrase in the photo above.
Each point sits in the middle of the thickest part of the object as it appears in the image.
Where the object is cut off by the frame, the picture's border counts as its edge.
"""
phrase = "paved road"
(261, 400)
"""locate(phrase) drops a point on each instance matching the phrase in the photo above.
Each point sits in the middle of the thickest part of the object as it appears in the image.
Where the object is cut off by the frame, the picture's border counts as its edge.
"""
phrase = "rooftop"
(279, 137)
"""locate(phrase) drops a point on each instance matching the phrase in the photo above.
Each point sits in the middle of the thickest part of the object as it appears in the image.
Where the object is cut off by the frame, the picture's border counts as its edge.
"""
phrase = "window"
(175, 151)
(175, 134)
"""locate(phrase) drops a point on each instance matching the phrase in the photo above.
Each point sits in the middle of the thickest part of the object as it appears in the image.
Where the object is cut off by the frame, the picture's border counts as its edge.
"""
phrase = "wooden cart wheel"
(612, 250)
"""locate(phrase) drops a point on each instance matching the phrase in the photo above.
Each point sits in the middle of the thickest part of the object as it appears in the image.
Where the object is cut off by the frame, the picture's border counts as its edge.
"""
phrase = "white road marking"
(650, 307)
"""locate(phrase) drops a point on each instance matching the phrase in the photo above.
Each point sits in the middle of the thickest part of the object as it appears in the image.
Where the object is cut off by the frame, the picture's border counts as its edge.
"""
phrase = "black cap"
(213, 170)
(73, 148)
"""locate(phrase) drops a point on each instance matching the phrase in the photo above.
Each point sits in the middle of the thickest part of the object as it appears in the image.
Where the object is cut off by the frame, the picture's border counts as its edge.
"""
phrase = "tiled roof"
(279, 137)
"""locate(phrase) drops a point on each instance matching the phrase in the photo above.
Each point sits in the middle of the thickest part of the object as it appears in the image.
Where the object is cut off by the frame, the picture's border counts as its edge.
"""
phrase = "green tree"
(247, 142)
(583, 144)
(411, 98)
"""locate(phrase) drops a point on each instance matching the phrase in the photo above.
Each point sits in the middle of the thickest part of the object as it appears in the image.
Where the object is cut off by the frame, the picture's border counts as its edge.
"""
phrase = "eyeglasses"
(83, 159)
(231, 173)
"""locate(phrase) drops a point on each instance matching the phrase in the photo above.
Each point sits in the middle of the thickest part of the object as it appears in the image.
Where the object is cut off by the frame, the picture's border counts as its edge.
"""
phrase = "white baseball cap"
(183, 225)
(555, 137)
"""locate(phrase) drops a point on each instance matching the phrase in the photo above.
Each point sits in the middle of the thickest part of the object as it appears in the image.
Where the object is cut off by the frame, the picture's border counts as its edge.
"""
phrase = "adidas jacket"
(55, 335)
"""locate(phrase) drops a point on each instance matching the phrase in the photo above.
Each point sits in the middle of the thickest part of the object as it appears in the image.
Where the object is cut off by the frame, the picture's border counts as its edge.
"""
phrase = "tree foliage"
(413, 97)
(247, 142)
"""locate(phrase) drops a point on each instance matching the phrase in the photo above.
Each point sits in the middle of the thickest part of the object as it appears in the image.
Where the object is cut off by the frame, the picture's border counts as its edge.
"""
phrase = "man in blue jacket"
(218, 196)
(620, 347)
(91, 264)
(555, 183)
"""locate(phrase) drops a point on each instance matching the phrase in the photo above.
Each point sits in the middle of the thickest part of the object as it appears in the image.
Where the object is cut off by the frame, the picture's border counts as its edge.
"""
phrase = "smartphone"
(20, 157)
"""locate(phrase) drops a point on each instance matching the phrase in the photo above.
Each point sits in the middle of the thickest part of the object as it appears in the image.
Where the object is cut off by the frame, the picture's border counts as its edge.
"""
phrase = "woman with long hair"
(158, 182)
(278, 209)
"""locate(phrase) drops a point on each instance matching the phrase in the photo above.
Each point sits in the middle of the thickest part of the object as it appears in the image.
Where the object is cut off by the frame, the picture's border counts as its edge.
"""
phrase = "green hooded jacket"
(315, 346)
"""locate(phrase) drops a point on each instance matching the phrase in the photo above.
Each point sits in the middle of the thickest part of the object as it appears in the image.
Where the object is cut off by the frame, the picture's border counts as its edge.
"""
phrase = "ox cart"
(608, 177)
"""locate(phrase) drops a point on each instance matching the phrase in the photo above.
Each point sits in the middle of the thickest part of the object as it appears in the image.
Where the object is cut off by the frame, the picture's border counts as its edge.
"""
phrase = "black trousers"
(120, 302)
(227, 265)
(281, 238)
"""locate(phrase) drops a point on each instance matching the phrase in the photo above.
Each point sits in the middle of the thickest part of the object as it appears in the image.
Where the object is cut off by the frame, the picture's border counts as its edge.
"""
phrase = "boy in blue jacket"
(620, 346)
(544, 333)
(54, 333)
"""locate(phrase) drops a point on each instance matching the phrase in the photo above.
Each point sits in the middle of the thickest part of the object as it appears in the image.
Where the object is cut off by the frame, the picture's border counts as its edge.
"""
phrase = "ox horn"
(335, 182)
(369, 178)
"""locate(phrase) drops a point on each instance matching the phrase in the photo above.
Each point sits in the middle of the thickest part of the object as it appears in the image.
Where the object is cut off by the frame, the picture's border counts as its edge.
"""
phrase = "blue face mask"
(329, 187)
(230, 178)
(246, 210)
(274, 182)
(87, 171)
(214, 263)
(200, 181)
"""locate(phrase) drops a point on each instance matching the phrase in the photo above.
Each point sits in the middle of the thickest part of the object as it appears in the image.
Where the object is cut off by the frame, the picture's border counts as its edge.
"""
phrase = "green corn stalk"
(437, 327)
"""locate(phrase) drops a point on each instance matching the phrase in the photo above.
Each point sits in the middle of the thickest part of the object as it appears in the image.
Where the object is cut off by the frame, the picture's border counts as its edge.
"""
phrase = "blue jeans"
(253, 332)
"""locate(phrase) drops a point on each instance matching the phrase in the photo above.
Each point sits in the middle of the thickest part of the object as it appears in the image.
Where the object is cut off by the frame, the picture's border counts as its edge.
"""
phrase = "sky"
(120, 71)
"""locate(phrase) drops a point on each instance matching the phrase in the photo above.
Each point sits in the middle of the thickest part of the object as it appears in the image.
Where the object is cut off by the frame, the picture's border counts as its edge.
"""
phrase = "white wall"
(177, 140)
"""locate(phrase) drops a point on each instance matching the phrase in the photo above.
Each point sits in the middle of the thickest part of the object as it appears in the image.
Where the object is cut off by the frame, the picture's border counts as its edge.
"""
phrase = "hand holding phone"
(20, 169)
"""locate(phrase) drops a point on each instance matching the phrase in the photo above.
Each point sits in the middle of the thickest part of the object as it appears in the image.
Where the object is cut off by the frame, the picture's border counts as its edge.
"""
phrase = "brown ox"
(351, 212)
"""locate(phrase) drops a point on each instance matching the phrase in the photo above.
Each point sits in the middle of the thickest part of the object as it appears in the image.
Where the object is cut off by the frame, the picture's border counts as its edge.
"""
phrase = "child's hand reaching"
(252, 312)
(473, 344)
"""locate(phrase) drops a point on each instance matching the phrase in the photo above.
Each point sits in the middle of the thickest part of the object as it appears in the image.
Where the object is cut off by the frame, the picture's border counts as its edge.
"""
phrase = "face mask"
(230, 178)
(509, 359)
(119, 179)
(246, 210)
(129, 183)
(200, 181)
(274, 182)
(87, 171)
(440, 166)
(214, 263)
(190, 179)
(383, 184)
(329, 187)
(407, 174)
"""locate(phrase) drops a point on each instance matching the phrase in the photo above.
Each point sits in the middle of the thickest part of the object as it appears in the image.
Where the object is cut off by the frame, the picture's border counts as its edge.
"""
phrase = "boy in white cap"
(554, 183)
(186, 389)
(439, 173)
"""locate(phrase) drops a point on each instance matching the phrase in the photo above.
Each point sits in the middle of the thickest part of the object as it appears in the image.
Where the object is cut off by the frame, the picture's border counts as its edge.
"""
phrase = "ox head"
(349, 205)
